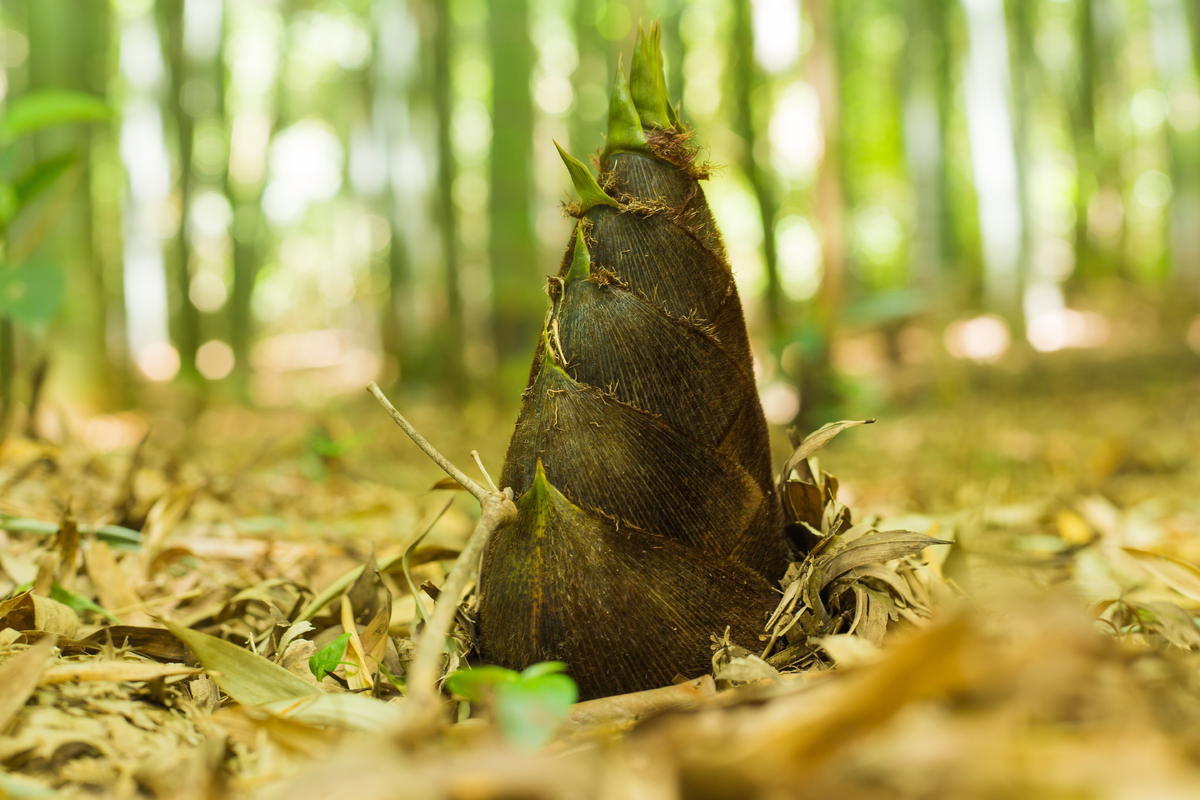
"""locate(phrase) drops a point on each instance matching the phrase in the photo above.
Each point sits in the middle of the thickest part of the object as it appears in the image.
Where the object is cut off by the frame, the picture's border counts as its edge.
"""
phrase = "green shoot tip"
(586, 186)
(581, 261)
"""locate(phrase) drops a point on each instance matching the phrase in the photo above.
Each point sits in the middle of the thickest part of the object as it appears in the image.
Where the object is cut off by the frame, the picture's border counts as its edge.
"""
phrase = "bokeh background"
(290, 199)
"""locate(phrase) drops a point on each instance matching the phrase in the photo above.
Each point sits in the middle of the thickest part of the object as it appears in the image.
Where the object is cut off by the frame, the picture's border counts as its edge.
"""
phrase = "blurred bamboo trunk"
(66, 58)
(451, 340)
(245, 192)
(1193, 8)
(590, 80)
(674, 49)
(1025, 77)
(1083, 130)
(818, 391)
(186, 319)
(949, 225)
(392, 78)
(512, 248)
(1106, 239)
(1174, 59)
(925, 138)
(746, 82)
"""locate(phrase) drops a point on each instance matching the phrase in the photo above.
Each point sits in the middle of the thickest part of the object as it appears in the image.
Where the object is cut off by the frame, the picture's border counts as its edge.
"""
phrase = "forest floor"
(1060, 659)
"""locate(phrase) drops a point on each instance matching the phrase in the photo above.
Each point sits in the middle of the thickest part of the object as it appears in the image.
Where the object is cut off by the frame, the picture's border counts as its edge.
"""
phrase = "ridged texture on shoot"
(648, 518)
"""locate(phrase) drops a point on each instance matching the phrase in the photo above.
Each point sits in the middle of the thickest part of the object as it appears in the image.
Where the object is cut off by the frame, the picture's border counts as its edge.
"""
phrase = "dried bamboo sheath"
(648, 518)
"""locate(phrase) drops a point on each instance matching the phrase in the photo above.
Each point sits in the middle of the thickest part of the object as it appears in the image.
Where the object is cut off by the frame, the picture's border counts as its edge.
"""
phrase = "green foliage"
(392, 679)
(329, 657)
(32, 293)
(326, 447)
(422, 614)
(528, 705)
(40, 176)
(34, 112)
(10, 202)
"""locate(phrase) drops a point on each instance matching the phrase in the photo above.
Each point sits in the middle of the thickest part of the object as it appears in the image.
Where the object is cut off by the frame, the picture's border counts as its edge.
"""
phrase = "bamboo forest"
(598, 399)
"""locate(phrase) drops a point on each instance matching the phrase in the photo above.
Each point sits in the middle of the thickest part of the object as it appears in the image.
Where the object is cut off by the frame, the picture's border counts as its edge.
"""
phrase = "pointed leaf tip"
(581, 262)
(624, 125)
(586, 186)
(648, 83)
(538, 499)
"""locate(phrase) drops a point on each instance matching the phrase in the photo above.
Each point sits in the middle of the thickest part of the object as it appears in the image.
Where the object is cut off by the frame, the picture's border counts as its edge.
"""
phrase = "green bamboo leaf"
(10, 202)
(41, 175)
(475, 684)
(77, 602)
(248, 678)
(530, 710)
(544, 668)
(32, 293)
(113, 534)
(33, 112)
(328, 658)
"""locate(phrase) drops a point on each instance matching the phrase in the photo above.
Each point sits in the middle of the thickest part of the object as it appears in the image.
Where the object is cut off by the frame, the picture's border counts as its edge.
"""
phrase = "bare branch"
(483, 469)
(477, 491)
(498, 511)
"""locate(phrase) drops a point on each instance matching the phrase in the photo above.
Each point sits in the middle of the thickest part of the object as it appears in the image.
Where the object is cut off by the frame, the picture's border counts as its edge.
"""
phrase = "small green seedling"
(528, 706)
(77, 602)
(329, 657)
(394, 680)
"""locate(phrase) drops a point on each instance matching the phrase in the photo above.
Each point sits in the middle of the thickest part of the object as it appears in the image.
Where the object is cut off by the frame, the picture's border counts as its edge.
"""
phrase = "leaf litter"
(1045, 645)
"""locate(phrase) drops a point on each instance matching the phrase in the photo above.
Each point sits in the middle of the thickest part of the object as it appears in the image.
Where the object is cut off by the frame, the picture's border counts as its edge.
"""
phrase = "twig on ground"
(498, 510)
(483, 469)
(477, 491)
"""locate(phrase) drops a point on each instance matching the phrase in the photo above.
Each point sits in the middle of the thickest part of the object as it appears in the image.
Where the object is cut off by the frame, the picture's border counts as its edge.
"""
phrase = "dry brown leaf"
(639, 705)
(364, 592)
(359, 669)
(1072, 528)
(158, 644)
(164, 515)
(47, 566)
(747, 669)
(85, 671)
(374, 636)
(295, 657)
(20, 676)
(66, 544)
(346, 710)
(805, 502)
(848, 650)
(205, 694)
(1174, 572)
(32, 612)
(874, 548)
(112, 588)
(815, 441)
